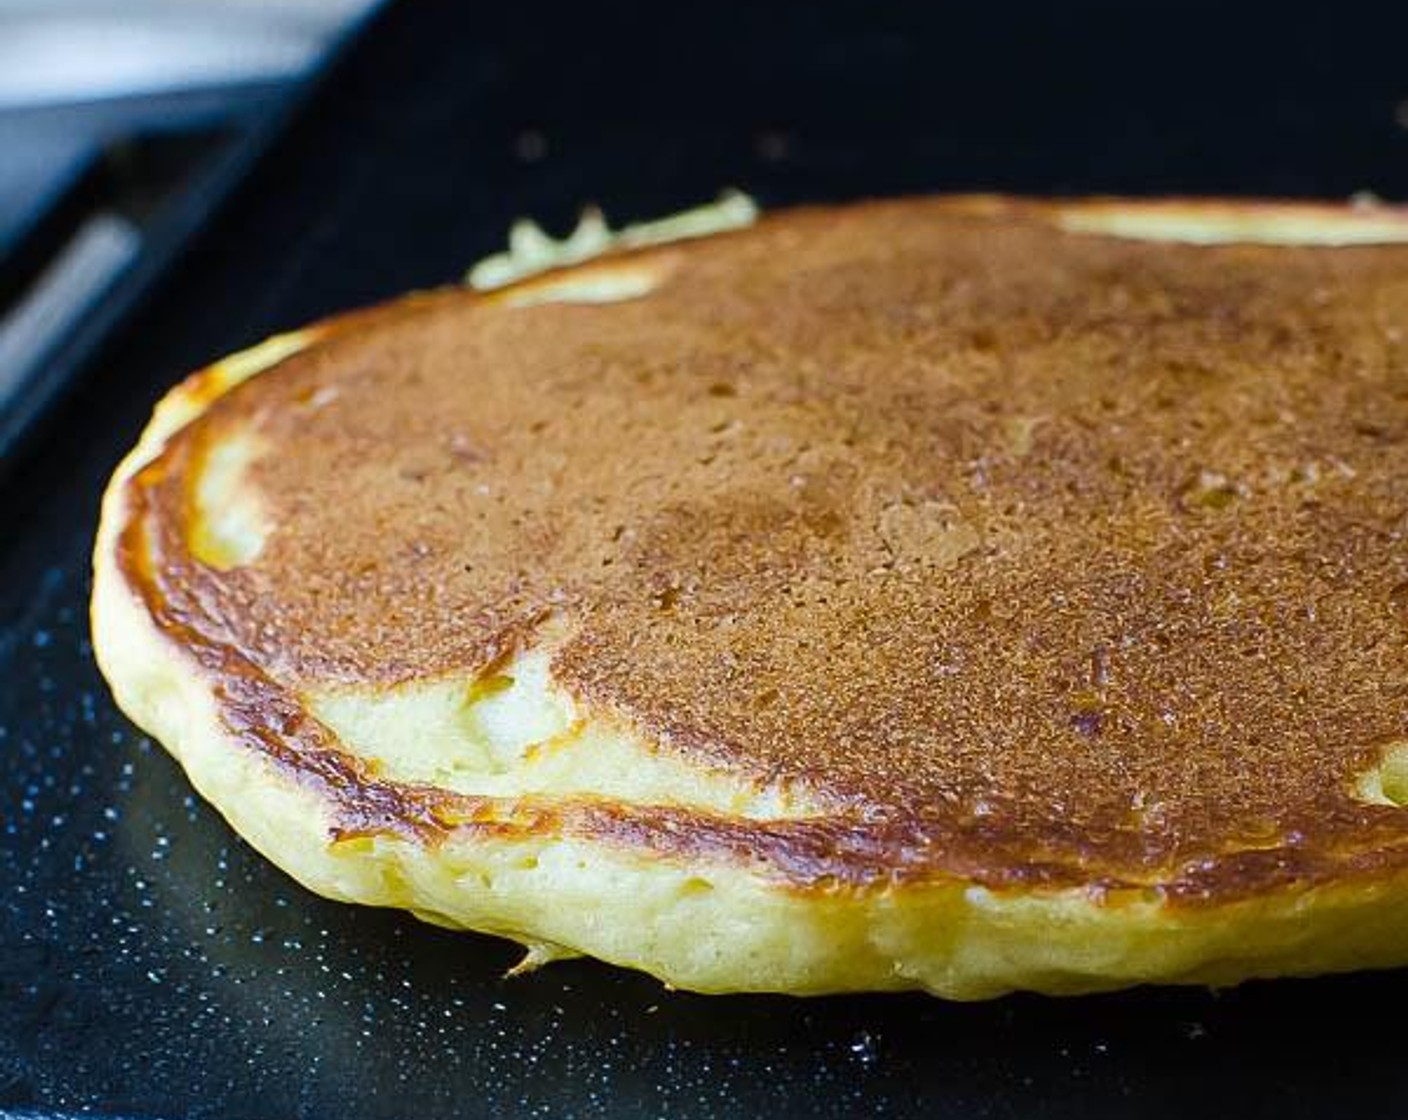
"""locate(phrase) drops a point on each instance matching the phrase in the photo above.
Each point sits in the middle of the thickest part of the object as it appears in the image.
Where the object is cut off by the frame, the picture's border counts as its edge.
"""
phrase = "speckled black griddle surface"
(152, 965)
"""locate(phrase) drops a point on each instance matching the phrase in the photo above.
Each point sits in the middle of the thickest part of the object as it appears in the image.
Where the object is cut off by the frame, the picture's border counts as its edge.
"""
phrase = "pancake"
(966, 594)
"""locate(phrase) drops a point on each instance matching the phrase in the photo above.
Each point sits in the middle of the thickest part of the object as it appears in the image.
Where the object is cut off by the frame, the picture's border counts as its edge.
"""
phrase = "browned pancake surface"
(1016, 545)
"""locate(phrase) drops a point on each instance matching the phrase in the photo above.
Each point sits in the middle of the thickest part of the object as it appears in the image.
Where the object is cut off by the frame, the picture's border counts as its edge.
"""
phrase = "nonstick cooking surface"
(152, 965)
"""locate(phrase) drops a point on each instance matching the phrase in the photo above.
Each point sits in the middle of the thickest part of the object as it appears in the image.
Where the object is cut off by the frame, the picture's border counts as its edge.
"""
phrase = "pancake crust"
(1018, 567)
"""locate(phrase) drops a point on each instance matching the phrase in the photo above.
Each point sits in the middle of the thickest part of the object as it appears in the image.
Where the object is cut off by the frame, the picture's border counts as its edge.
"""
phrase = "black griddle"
(152, 965)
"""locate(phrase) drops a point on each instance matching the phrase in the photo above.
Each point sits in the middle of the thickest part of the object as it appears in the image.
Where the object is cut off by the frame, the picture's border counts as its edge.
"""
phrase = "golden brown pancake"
(965, 594)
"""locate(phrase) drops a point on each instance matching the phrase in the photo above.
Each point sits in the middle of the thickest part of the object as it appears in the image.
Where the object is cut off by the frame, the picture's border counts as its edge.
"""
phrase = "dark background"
(152, 965)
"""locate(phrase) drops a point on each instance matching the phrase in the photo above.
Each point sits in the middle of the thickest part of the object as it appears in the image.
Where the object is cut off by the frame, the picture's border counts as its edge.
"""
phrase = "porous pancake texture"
(964, 594)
